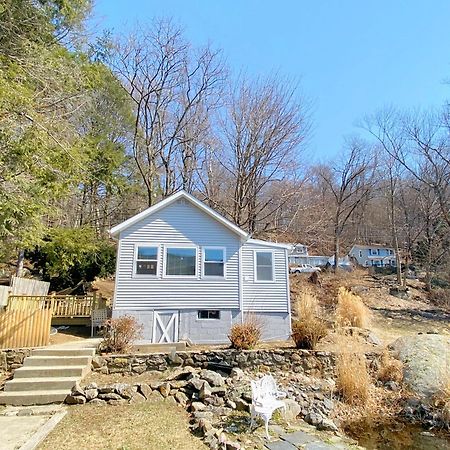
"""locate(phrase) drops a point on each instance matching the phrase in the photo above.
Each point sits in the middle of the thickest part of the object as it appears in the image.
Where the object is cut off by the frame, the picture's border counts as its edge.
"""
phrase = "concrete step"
(57, 361)
(40, 384)
(51, 371)
(63, 352)
(33, 397)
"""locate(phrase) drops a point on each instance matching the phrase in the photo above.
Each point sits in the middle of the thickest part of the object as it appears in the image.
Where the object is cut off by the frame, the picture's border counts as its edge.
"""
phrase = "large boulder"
(213, 378)
(425, 359)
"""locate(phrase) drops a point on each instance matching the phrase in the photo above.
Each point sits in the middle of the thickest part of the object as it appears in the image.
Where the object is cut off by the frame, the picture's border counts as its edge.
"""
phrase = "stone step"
(56, 361)
(63, 352)
(33, 397)
(40, 384)
(51, 371)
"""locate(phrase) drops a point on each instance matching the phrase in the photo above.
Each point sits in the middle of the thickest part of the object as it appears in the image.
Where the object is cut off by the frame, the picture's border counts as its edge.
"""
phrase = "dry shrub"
(309, 328)
(440, 297)
(391, 369)
(245, 335)
(353, 379)
(350, 310)
(120, 333)
(441, 400)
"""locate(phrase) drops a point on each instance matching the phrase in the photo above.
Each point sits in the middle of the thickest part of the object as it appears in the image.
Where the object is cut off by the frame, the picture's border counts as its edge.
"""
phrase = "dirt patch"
(160, 425)
(146, 377)
(70, 334)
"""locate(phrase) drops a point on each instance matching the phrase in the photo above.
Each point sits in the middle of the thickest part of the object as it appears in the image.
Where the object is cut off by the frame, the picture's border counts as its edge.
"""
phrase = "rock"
(205, 425)
(75, 400)
(107, 389)
(205, 391)
(171, 399)
(328, 404)
(124, 390)
(292, 409)
(196, 383)
(110, 396)
(98, 362)
(373, 339)
(425, 367)
(237, 373)
(313, 418)
(181, 398)
(155, 396)
(156, 384)
(392, 386)
(197, 406)
(233, 445)
(145, 390)
(174, 359)
(97, 401)
(208, 415)
(242, 405)
(137, 398)
(90, 394)
(91, 386)
(165, 389)
(77, 389)
(178, 384)
(213, 378)
(219, 390)
(181, 373)
(25, 412)
(327, 425)
(116, 402)
(231, 404)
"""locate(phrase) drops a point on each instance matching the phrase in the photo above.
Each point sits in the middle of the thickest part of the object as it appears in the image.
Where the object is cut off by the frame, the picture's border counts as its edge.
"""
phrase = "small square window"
(214, 262)
(209, 314)
(147, 260)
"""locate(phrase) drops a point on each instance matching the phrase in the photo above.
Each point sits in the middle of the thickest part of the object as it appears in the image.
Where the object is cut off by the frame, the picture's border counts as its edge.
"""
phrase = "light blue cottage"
(187, 273)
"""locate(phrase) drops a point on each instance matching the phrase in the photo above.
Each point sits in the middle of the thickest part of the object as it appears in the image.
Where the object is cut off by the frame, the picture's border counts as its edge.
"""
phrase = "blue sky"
(352, 56)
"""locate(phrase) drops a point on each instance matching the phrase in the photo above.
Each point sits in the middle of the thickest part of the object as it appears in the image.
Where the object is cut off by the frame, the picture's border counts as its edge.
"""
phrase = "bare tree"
(349, 181)
(173, 87)
(264, 126)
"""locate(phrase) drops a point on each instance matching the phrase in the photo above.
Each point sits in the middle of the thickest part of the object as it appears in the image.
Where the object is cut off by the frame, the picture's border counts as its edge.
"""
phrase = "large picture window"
(181, 261)
(146, 260)
(213, 262)
(264, 266)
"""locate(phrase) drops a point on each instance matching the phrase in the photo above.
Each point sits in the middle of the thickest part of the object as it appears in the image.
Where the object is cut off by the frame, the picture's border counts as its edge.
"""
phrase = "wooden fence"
(4, 293)
(25, 324)
(28, 286)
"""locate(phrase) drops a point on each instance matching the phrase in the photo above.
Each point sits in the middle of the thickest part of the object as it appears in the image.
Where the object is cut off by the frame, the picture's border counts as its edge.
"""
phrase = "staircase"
(48, 375)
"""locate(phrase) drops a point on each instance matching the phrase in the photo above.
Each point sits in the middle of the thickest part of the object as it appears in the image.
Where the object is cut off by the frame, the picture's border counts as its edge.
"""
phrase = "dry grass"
(309, 328)
(353, 379)
(350, 310)
(246, 335)
(391, 369)
(161, 425)
(441, 400)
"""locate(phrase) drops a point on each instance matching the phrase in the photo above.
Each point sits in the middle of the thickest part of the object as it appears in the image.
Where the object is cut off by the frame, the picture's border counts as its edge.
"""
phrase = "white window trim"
(209, 320)
(214, 277)
(168, 246)
(255, 272)
(135, 260)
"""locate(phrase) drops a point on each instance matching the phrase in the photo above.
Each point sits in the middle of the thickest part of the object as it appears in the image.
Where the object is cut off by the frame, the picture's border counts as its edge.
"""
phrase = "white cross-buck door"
(165, 326)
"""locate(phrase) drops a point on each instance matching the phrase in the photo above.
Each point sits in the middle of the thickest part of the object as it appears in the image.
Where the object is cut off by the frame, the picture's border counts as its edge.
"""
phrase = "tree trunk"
(337, 244)
(20, 259)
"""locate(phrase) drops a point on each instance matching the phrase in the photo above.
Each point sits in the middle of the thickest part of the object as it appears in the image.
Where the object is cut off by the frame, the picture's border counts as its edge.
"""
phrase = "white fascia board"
(163, 203)
(270, 244)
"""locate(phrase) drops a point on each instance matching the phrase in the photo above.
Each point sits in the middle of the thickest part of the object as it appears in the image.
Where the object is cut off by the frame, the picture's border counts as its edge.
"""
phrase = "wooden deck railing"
(61, 305)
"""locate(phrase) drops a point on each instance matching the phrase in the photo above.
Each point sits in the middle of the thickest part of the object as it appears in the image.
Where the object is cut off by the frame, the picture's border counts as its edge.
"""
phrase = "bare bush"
(309, 328)
(441, 400)
(350, 310)
(353, 379)
(245, 335)
(120, 333)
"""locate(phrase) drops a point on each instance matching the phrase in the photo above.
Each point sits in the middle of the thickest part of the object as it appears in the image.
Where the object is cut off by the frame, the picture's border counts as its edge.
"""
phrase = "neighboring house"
(185, 272)
(373, 255)
(299, 255)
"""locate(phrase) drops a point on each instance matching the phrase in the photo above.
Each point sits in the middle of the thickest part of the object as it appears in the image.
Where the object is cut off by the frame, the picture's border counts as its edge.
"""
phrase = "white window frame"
(212, 277)
(209, 318)
(181, 246)
(255, 271)
(135, 259)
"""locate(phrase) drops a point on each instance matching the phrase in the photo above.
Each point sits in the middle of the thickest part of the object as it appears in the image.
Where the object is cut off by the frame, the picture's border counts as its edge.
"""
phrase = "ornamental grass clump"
(353, 379)
(391, 369)
(309, 328)
(350, 310)
(119, 334)
(245, 335)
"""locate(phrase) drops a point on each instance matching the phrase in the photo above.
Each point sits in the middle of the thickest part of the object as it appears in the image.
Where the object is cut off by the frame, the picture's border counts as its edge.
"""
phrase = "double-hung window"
(264, 266)
(146, 260)
(213, 262)
(181, 261)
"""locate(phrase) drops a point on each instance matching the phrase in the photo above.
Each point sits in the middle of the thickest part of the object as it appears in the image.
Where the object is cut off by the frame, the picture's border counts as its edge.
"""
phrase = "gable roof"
(168, 201)
(358, 246)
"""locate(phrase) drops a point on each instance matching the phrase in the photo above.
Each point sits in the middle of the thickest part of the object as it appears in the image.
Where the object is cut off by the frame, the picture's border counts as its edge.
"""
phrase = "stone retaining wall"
(11, 359)
(293, 360)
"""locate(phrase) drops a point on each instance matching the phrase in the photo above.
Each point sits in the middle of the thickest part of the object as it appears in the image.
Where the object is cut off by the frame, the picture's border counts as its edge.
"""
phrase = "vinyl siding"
(179, 223)
(265, 296)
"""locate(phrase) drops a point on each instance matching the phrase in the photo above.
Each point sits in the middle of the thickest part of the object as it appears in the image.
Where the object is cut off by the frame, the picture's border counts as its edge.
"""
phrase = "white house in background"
(373, 255)
(185, 272)
(299, 255)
